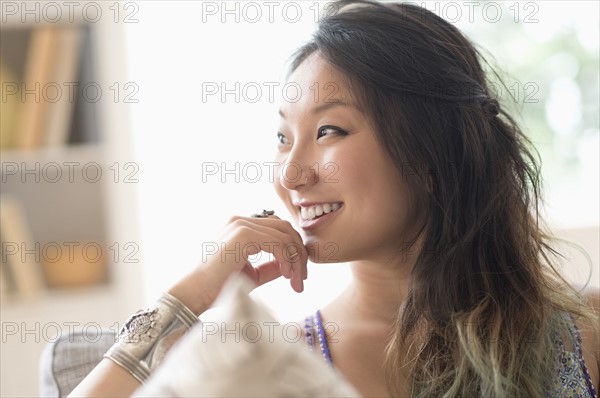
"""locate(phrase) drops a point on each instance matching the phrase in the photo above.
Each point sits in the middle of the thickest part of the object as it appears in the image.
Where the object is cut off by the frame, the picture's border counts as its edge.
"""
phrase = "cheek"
(395, 209)
(365, 178)
(392, 191)
(343, 167)
(378, 191)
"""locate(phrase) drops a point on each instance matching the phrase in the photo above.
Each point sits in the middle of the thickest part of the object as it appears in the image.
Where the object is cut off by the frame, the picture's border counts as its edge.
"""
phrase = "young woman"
(429, 189)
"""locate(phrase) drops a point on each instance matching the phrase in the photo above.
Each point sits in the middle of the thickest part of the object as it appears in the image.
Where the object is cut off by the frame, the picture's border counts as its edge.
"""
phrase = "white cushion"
(246, 353)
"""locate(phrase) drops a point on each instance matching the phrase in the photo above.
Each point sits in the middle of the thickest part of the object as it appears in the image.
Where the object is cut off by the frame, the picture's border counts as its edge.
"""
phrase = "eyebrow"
(327, 105)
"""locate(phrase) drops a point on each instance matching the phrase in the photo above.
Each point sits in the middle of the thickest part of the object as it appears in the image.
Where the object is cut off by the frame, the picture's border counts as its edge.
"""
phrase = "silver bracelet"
(147, 335)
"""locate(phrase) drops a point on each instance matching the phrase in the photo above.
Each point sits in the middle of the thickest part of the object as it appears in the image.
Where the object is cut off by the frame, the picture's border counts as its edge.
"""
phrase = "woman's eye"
(329, 130)
(281, 138)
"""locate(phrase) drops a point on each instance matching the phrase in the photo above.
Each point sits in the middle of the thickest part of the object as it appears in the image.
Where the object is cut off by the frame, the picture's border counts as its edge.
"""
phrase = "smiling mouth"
(316, 211)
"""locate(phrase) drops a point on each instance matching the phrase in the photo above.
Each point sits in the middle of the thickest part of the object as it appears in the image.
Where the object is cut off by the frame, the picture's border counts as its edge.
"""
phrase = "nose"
(296, 173)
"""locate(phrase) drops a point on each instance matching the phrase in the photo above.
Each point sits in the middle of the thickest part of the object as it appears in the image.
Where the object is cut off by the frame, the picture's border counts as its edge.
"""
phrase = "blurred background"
(132, 130)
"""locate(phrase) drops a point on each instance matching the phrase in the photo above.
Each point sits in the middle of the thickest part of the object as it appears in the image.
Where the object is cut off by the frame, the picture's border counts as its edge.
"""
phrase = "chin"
(320, 252)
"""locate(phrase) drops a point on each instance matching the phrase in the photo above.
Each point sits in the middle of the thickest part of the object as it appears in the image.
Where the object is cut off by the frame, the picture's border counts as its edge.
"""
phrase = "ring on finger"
(263, 214)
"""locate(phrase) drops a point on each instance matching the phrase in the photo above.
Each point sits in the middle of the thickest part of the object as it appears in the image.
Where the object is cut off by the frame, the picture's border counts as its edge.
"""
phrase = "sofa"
(66, 361)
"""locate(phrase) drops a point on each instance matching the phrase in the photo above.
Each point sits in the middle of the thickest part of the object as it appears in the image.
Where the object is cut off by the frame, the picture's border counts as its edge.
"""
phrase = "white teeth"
(304, 212)
(308, 213)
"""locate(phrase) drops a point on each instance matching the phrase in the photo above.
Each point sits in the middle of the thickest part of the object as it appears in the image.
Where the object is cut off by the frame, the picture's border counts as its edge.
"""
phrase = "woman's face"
(328, 155)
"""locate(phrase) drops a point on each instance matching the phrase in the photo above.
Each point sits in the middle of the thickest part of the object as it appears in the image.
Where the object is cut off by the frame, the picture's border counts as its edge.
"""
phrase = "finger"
(298, 269)
(267, 272)
(297, 283)
(300, 264)
(251, 272)
(274, 221)
(268, 240)
(294, 254)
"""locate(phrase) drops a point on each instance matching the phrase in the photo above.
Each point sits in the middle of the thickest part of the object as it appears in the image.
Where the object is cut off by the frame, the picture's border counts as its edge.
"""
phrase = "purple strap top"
(314, 331)
(573, 378)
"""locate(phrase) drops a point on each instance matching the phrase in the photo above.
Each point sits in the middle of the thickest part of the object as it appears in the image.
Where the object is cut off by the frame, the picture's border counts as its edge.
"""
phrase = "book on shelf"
(8, 106)
(85, 126)
(13, 53)
(19, 260)
(60, 112)
(39, 73)
(40, 96)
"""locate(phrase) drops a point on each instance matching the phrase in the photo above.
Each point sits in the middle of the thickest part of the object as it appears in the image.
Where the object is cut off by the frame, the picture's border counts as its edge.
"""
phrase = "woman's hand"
(242, 238)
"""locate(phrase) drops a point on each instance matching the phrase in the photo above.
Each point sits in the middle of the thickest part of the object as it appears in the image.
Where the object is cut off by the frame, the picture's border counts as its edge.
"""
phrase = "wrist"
(148, 334)
(195, 291)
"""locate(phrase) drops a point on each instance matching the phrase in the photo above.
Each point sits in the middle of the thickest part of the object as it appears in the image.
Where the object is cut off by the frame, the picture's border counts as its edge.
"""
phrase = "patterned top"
(573, 377)
(572, 381)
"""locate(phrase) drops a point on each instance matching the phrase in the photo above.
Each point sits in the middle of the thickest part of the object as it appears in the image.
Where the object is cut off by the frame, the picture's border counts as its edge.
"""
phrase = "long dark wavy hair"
(482, 312)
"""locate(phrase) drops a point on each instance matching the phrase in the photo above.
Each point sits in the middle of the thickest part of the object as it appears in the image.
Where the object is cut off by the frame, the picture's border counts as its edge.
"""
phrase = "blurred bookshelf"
(67, 203)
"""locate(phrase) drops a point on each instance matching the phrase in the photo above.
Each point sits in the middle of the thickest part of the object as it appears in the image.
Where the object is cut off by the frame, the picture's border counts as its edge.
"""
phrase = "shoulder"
(590, 336)
(592, 297)
(592, 294)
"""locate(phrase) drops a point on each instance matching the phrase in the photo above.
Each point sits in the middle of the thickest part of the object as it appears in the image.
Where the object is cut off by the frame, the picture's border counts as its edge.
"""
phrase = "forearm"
(198, 289)
(107, 379)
